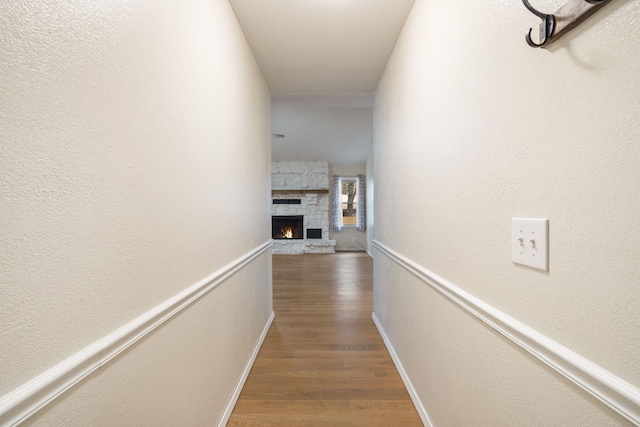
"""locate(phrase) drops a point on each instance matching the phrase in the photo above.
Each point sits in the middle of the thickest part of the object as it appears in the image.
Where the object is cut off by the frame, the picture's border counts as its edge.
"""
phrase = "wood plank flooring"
(323, 362)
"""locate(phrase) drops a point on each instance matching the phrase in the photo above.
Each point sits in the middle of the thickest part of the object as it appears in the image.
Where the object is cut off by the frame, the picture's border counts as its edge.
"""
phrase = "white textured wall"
(371, 192)
(337, 129)
(472, 128)
(134, 161)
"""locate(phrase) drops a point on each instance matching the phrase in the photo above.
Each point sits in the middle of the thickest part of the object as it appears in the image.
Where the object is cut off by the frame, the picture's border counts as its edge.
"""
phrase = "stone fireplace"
(300, 189)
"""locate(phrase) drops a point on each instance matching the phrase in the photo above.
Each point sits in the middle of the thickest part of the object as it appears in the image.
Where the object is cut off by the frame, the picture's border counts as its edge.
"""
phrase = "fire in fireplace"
(287, 227)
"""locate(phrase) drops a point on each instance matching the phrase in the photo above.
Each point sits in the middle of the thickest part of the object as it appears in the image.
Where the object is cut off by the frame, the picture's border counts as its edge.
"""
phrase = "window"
(348, 202)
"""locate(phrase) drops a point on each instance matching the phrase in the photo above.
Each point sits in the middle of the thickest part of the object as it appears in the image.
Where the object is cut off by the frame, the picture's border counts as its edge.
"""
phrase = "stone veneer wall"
(298, 176)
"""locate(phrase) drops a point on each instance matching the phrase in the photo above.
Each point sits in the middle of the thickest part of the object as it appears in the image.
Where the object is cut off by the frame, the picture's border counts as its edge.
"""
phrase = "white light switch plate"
(530, 242)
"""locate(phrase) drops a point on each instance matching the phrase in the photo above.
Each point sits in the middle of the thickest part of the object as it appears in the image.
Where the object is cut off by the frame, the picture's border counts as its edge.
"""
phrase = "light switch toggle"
(530, 242)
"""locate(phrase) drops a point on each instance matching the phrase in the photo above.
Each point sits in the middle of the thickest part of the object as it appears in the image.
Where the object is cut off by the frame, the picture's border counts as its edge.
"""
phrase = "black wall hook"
(557, 24)
(548, 25)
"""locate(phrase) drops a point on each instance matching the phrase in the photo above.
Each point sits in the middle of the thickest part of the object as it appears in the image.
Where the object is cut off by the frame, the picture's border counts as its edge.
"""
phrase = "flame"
(287, 233)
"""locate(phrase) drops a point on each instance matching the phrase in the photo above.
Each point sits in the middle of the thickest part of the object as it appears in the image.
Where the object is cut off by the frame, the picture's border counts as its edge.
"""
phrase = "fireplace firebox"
(287, 227)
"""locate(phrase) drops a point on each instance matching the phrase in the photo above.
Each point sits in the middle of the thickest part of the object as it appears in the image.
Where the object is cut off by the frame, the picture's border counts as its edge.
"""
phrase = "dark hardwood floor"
(323, 362)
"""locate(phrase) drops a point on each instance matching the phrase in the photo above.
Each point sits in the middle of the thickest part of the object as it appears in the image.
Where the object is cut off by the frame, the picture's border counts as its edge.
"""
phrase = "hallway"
(137, 148)
(323, 361)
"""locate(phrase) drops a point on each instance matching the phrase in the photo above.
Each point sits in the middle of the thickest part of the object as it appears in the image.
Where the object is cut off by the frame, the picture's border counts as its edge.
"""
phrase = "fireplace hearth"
(287, 227)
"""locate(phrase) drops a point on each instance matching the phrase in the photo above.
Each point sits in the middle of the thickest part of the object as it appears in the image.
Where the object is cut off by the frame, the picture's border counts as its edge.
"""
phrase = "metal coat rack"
(556, 25)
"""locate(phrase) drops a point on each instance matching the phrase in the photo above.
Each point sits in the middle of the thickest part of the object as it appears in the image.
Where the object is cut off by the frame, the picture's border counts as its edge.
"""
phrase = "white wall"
(344, 238)
(370, 199)
(472, 128)
(135, 162)
(338, 129)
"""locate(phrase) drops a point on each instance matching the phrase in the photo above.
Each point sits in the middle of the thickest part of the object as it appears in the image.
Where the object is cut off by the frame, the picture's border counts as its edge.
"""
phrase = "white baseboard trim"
(245, 374)
(26, 400)
(610, 389)
(422, 412)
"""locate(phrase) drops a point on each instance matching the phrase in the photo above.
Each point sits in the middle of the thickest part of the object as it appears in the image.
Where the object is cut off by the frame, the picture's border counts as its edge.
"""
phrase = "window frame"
(353, 179)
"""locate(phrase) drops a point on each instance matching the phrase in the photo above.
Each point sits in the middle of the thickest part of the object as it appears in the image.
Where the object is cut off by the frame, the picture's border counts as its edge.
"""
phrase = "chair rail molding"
(613, 391)
(21, 403)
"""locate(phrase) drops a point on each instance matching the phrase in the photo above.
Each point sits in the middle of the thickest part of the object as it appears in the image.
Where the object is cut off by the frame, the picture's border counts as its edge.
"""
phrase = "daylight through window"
(349, 201)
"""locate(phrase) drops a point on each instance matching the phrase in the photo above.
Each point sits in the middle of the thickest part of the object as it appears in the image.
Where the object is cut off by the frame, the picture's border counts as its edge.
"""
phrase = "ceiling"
(309, 47)
(322, 60)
